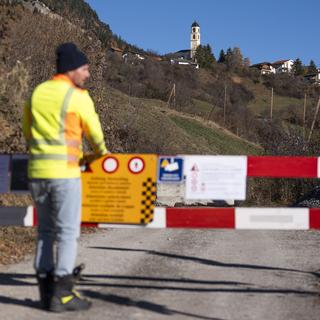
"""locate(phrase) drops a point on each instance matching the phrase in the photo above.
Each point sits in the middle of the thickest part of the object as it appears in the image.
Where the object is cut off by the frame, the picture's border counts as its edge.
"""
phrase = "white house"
(264, 67)
(282, 66)
(184, 62)
(313, 78)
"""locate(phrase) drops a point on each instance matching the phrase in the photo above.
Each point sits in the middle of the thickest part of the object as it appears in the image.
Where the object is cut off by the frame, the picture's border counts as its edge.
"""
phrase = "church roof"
(195, 24)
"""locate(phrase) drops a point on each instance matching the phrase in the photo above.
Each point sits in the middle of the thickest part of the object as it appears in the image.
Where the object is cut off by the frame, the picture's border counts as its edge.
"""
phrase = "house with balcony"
(264, 67)
(313, 78)
(283, 66)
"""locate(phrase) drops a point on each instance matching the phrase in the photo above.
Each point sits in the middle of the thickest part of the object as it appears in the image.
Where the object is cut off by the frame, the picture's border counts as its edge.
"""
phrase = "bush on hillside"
(286, 85)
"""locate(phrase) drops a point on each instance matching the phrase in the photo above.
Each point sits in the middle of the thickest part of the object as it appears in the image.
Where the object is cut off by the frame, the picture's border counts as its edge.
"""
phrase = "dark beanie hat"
(69, 57)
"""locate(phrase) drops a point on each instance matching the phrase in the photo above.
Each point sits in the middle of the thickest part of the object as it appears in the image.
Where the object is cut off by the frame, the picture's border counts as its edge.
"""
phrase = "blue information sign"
(170, 169)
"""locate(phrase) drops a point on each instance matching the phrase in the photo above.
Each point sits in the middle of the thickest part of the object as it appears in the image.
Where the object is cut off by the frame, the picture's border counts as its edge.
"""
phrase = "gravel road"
(184, 274)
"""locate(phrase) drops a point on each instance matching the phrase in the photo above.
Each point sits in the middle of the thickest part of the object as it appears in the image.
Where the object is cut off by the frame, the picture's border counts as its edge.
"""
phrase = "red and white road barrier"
(224, 218)
(198, 217)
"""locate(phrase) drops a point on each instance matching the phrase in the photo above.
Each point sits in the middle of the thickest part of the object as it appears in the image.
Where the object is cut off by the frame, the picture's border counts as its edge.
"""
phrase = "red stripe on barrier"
(314, 218)
(35, 218)
(88, 224)
(283, 167)
(201, 218)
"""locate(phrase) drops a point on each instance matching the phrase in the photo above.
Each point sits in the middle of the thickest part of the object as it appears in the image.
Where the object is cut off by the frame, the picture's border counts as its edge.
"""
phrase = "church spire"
(195, 38)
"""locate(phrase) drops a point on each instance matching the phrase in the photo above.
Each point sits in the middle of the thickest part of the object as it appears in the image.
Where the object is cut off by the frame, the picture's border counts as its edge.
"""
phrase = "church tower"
(195, 38)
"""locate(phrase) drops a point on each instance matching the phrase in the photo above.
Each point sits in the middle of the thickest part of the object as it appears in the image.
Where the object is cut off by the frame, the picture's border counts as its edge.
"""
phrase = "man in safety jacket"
(59, 112)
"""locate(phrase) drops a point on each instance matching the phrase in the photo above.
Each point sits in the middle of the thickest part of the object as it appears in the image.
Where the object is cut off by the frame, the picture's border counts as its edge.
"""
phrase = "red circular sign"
(110, 165)
(136, 165)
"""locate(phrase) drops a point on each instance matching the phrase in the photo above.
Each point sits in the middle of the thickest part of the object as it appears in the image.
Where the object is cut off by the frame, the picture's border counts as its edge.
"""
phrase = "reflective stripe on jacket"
(54, 120)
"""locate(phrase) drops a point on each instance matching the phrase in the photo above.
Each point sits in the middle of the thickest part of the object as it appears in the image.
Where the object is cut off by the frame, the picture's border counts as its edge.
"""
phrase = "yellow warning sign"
(120, 188)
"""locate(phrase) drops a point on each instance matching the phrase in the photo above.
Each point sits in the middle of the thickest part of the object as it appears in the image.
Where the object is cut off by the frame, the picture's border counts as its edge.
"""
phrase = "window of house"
(194, 37)
(194, 30)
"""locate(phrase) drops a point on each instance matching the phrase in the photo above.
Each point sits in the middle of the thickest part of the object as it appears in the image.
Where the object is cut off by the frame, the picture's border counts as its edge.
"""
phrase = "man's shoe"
(45, 283)
(65, 298)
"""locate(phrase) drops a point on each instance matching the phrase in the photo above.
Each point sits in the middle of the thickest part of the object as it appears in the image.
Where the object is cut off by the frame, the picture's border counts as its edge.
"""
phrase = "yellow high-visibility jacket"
(54, 120)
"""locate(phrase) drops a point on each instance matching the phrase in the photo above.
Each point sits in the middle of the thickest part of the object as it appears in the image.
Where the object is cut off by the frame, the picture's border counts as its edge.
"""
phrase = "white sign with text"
(215, 177)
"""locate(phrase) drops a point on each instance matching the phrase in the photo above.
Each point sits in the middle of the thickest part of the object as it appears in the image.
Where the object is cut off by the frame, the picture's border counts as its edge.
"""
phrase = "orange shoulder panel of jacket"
(63, 77)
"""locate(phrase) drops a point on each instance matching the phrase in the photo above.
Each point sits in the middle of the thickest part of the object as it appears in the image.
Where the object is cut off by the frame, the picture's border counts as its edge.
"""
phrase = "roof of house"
(261, 64)
(155, 58)
(281, 61)
(183, 51)
(116, 49)
(313, 74)
(310, 75)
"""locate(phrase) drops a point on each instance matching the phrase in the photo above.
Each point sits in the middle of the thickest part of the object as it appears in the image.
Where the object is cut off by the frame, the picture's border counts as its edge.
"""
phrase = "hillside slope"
(148, 125)
(129, 124)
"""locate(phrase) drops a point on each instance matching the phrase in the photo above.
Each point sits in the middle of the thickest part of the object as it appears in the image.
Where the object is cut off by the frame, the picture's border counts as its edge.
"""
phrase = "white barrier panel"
(272, 218)
(159, 222)
(28, 220)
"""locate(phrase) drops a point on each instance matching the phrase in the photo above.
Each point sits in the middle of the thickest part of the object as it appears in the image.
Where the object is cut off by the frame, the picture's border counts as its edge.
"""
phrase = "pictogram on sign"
(194, 167)
(136, 165)
(110, 165)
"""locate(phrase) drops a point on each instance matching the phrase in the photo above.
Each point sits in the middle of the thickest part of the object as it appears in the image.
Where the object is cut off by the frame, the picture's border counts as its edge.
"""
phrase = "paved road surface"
(184, 274)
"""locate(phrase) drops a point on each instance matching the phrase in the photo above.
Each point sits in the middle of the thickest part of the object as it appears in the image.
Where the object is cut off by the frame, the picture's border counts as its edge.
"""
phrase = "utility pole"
(225, 104)
(314, 121)
(211, 112)
(172, 95)
(271, 104)
(304, 115)
(129, 94)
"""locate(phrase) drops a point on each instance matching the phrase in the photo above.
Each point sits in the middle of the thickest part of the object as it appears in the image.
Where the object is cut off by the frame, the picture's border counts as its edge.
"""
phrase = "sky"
(264, 30)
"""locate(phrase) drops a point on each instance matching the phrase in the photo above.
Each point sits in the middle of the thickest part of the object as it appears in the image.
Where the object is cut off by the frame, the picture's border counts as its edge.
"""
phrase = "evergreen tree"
(204, 56)
(222, 56)
(297, 67)
(228, 57)
(210, 53)
(312, 68)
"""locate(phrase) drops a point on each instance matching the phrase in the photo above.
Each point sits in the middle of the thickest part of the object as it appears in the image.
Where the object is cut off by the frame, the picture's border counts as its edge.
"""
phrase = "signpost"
(120, 188)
